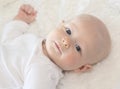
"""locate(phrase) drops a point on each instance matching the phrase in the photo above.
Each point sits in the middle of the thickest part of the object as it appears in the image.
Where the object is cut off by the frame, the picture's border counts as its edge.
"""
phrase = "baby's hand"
(26, 13)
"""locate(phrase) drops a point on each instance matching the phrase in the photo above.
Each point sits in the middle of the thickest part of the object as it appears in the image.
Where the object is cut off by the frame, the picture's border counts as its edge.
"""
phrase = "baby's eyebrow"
(73, 27)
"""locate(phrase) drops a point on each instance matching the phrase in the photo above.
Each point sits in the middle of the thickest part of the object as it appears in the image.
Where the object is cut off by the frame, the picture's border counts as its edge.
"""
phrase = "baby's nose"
(66, 42)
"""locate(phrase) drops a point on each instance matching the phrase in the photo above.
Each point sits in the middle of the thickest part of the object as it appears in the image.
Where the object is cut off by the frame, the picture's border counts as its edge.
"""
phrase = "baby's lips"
(59, 47)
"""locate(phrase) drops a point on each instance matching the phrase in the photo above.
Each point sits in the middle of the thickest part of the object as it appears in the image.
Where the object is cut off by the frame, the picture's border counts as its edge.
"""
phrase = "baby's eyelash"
(68, 31)
(78, 48)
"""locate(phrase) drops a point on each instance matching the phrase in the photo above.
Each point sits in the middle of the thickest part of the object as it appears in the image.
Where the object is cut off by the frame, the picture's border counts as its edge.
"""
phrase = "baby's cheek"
(70, 60)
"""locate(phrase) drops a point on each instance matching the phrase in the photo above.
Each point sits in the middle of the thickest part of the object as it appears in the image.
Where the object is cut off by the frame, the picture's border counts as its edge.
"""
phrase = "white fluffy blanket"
(106, 74)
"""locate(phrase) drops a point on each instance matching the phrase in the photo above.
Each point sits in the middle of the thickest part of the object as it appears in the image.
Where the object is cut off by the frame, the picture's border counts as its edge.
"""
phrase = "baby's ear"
(84, 68)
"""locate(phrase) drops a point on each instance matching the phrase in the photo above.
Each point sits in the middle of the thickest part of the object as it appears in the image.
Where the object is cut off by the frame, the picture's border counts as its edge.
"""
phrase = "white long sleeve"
(41, 72)
(22, 62)
(14, 29)
(41, 77)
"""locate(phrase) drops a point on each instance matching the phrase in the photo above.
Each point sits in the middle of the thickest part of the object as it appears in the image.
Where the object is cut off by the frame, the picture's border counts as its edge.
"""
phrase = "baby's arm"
(19, 24)
(37, 76)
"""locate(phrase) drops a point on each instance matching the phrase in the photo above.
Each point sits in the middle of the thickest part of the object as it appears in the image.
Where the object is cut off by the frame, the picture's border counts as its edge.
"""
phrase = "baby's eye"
(78, 48)
(68, 31)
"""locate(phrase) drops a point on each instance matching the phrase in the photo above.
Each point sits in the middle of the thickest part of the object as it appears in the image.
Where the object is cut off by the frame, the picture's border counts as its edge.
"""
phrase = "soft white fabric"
(106, 74)
(22, 62)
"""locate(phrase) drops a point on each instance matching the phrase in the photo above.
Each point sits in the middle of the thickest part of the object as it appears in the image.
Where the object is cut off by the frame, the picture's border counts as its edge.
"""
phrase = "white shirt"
(22, 62)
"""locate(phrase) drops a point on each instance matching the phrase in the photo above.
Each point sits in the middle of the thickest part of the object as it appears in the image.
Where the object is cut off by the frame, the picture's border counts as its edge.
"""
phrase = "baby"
(30, 62)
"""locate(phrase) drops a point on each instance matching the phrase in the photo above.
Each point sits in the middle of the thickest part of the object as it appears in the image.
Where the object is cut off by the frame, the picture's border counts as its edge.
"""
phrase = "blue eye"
(78, 48)
(68, 31)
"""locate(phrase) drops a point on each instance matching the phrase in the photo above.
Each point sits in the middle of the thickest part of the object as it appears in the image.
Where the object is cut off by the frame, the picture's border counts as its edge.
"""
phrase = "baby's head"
(78, 43)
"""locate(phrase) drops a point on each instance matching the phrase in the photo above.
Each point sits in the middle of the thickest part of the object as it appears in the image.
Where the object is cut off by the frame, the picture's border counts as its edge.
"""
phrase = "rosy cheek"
(70, 60)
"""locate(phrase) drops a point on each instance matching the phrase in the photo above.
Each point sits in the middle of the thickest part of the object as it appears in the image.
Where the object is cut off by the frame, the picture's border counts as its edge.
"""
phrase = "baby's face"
(67, 46)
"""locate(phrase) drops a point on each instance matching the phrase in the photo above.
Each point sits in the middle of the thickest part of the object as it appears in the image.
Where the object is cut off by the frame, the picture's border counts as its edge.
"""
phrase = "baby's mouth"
(58, 47)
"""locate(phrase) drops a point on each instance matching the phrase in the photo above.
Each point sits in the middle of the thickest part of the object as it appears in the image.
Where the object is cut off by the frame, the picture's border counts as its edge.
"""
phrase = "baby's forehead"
(88, 28)
(87, 20)
(82, 33)
(82, 27)
(88, 23)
